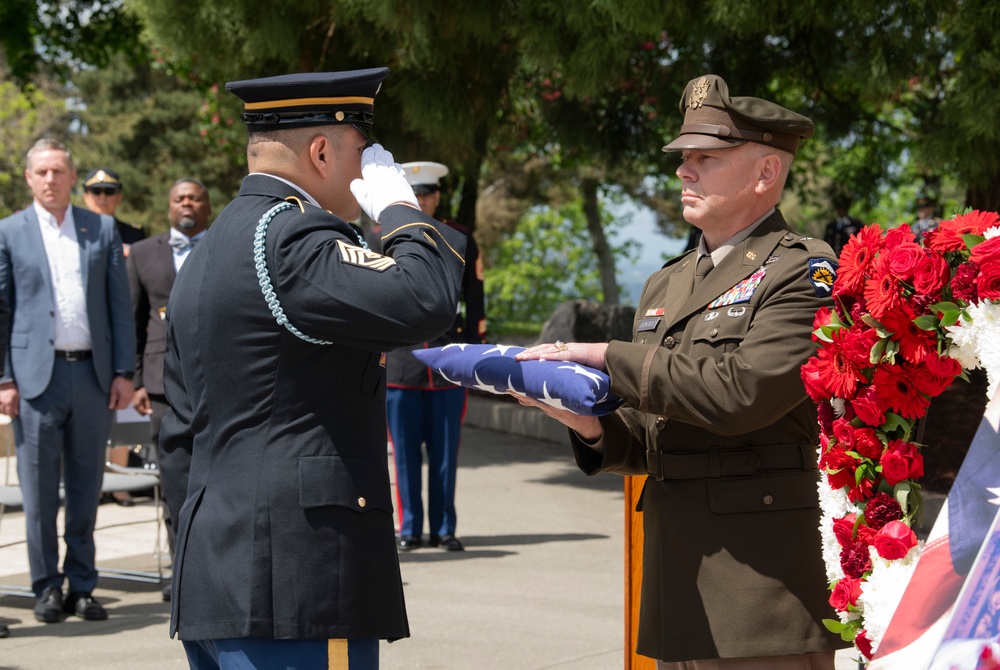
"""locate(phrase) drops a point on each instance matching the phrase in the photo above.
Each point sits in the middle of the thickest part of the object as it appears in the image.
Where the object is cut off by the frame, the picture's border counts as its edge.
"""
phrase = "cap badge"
(699, 93)
(767, 137)
(101, 175)
(339, 116)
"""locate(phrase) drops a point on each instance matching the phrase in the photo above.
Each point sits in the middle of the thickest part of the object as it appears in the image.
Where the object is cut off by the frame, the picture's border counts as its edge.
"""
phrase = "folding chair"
(130, 479)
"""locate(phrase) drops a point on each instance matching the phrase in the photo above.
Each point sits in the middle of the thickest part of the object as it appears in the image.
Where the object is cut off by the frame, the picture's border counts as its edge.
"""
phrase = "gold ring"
(560, 345)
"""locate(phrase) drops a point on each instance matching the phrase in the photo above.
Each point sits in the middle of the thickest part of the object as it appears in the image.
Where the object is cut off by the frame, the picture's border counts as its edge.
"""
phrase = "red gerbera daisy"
(914, 343)
(896, 389)
(948, 235)
(856, 258)
(883, 291)
(838, 367)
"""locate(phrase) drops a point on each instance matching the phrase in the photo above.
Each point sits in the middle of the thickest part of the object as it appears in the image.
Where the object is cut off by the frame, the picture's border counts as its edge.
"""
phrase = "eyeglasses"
(110, 191)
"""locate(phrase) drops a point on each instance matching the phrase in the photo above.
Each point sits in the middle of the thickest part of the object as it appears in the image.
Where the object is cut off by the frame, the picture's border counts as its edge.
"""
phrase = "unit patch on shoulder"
(355, 255)
(822, 274)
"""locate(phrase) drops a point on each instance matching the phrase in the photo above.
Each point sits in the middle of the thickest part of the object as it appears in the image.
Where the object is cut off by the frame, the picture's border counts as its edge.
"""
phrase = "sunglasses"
(103, 191)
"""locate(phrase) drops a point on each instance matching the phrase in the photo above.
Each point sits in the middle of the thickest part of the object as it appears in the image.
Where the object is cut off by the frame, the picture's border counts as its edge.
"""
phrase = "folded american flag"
(491, 367)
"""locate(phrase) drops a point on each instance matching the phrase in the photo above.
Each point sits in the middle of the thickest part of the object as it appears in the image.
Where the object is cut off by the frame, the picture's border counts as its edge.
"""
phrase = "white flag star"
(995, 491)
(580, 370)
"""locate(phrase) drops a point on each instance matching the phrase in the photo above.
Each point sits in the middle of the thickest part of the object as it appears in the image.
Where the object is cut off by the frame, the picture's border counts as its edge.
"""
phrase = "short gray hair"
(48, 144)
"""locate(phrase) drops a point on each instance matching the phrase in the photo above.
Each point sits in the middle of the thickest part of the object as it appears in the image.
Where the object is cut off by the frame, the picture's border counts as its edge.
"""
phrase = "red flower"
(844, 432)
(856, 257)
(894, 540)
(988, 281)
(895, 389)
(863, 644)
(824, 414)
(855, 560)
(838, 367)
(904, 258)
(988, 250)
(883, 291)
(914, 343)
(815, 381)
(948, 235)
(963, 284)
(931, 274)
(845, 592)
(843, 529)
(901, 461)
(882, 509)
(935, 374)
(860, 492)
(900, 235)
(868, 408)
(839, 467)
(867, 444)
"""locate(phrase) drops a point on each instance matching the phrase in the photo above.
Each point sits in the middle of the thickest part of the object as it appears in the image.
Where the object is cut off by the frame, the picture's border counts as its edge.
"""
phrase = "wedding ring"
(560, 345)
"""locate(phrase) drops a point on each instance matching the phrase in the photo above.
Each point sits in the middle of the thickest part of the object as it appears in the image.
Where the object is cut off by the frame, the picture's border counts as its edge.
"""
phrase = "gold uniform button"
(660, 422)
(362, 502)
(670, 342)
(768, 499)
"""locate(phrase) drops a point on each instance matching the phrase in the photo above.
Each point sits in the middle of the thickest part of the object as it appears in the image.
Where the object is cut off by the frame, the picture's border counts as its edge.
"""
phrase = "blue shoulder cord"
(265, 281)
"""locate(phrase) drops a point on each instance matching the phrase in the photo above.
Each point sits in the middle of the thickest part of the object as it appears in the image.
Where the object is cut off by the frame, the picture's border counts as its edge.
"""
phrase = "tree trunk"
(985, 198)
(605, 258)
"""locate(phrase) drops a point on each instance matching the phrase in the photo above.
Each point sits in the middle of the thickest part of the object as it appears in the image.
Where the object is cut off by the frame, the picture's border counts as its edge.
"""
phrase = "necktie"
(181, 243)
(704, 266)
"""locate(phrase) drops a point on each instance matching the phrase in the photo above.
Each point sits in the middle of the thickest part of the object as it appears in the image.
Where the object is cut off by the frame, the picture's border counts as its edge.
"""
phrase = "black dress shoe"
(85, 607)
(4, 631)
(448, 543)
(408, 543)
(167, 592)
(49, 608)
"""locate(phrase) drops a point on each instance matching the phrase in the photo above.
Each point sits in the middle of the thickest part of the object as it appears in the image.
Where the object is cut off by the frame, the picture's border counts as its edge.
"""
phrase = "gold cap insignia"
(751, 255)
(699, 93)
(339, 116)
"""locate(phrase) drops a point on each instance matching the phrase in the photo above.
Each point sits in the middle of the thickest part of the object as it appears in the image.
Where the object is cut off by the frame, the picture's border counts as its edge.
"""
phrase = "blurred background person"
(927, 218)
(152, 267)
(422, 407)
(843, 225)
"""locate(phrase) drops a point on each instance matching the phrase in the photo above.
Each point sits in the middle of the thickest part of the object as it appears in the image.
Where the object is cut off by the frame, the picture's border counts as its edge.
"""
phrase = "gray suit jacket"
(27, 286)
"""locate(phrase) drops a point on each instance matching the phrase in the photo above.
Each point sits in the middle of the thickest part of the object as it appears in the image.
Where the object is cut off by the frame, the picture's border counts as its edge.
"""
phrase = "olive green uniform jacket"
(717, 415)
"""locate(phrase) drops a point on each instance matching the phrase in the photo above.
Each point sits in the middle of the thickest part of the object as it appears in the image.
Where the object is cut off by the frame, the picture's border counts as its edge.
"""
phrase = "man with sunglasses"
(102, 194)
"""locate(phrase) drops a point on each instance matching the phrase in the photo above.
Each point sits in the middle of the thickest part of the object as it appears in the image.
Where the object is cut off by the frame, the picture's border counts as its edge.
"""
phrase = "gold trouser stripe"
(337, 655)
(302, 102)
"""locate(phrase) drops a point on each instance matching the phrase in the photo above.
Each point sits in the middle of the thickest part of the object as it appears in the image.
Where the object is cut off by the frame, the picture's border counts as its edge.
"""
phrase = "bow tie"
(182, 243)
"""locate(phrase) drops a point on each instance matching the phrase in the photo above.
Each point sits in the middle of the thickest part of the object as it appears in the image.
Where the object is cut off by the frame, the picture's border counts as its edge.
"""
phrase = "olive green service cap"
(714, 120)
(311, 99)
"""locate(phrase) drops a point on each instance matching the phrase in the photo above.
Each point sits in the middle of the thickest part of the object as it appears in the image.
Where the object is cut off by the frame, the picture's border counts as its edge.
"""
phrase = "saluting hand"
(383, 183)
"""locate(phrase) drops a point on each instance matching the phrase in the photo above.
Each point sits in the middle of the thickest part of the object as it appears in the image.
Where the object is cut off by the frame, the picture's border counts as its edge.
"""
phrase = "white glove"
(383, 182)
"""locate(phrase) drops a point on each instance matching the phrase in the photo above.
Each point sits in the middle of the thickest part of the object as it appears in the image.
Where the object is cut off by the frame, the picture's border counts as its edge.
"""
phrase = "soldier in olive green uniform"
(716, 414)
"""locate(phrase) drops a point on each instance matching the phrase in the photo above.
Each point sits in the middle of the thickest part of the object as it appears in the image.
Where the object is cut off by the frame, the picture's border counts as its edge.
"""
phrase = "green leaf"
(926, 322)
(901, 492)
(945, 307)
(878, 349)
(949, 318)
(972, 240)
(894, 422)
(846, 631)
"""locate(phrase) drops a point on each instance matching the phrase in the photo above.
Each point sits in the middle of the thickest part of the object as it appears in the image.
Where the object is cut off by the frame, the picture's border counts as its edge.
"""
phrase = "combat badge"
(355, 255)
(822, 274)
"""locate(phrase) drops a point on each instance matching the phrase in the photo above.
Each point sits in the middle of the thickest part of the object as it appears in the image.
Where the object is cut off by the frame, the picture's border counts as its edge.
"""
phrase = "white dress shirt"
(180, 255)
(62, 249)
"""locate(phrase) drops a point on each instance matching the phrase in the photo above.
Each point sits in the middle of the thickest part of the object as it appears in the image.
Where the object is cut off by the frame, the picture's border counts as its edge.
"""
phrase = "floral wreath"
(907, 319)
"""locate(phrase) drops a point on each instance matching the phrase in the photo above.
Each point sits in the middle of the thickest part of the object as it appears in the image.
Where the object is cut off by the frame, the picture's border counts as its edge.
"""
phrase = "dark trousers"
(416, 417)
(63, 435)
(160, 407)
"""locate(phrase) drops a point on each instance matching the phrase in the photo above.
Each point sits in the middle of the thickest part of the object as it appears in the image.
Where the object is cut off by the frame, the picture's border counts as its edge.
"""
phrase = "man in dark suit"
(69, 364)
(838, 231)
(152, 267)
(716, 413)
(102, 193)
(273, 448)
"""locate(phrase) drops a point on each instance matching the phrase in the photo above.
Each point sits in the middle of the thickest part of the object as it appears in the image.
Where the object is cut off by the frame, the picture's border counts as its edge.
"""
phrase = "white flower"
(992, 232)
(882, 591)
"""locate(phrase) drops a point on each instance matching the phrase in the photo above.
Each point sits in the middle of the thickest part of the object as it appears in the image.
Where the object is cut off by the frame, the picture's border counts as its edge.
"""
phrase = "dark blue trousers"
(63, 435)
(248, 653)
(416, 417)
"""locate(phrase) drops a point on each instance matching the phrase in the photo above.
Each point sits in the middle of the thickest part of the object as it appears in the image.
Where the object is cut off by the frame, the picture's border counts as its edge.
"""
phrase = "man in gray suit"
(69, 363)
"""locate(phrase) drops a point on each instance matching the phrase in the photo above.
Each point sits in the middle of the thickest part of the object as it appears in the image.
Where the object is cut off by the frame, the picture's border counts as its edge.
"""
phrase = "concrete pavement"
(539, 586)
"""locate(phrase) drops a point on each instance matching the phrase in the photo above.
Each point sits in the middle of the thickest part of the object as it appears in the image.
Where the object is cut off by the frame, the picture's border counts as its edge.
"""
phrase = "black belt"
(729, 462)
(74, 356)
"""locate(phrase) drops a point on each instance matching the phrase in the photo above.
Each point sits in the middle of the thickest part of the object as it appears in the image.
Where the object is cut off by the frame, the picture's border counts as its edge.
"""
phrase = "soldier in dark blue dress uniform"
(273, 450)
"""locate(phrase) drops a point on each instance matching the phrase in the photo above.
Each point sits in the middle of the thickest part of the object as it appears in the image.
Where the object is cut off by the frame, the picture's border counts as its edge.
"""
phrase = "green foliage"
(154, 124)
(25, 115)
(545, 262)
